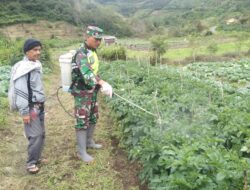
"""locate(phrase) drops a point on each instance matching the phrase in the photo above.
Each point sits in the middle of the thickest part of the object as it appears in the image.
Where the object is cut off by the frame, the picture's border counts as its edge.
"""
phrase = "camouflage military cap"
(95, 32)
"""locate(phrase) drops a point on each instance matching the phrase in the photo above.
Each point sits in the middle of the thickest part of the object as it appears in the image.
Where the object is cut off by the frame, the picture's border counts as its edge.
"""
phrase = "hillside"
(192, 16)
(42, 30)
(77, 12)
(230, 5)
(133, 17)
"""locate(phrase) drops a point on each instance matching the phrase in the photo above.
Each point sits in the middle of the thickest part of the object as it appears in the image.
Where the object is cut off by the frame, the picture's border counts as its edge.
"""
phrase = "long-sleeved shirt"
(21, 90)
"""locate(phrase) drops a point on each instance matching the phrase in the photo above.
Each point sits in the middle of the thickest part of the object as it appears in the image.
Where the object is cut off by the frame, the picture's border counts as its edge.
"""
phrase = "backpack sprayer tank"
(66, 68)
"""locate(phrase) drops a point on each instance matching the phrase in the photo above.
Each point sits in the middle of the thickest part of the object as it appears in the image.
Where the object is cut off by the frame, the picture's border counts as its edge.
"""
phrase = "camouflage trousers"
(86, 109)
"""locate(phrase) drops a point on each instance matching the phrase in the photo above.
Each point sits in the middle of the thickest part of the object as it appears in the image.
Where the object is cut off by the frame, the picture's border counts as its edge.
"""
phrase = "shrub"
(113, 52)
(212, 48)
(3, 112)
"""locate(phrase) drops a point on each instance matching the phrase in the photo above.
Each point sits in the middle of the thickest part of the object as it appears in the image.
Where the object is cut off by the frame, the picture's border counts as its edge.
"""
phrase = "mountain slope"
(76, 12)
(133, 17)
(189, 16)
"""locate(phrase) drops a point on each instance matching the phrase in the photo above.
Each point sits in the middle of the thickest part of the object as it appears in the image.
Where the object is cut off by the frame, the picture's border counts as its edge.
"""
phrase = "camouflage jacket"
(84, 70)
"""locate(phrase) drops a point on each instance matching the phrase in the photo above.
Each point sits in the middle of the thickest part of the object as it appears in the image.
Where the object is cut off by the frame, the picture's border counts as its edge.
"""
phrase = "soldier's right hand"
(107, 89)
(26, 119)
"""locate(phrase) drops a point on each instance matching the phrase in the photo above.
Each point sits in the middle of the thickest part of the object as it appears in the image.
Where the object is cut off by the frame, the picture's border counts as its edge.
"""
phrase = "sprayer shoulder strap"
(76, 70)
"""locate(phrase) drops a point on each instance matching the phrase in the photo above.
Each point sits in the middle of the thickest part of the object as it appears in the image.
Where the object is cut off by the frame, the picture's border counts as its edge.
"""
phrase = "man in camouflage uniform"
(85, 85)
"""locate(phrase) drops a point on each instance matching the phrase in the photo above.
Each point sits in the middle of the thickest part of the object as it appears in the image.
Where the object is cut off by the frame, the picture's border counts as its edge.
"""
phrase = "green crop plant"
(198, 139)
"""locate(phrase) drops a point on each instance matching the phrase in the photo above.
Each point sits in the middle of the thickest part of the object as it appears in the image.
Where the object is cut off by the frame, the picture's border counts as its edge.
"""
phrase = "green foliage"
(80, 13)
(212, 48)
(233, 72)
(10, 51)
(195, 143)
(3, 112)
(4, 79)
(46, 57)
(59, 43)
(113, 52)
(159, 45)
(19, 11)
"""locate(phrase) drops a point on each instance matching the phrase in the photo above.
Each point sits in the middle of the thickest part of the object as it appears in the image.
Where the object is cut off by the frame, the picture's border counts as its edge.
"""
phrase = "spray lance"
(66, 80)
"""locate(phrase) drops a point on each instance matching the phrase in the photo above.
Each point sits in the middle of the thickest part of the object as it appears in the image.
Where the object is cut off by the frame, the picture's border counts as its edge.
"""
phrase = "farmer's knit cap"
(30, 44)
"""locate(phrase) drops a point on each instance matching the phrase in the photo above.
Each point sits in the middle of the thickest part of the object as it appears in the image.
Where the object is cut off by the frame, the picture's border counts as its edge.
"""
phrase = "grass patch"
(175, 54)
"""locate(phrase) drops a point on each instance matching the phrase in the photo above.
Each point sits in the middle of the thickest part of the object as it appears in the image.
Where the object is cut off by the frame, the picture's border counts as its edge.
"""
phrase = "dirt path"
(111, 170)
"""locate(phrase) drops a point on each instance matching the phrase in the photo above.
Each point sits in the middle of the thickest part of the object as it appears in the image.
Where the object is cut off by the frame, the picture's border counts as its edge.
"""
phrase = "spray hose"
(114, 93)
(135, 105)
(57, 95)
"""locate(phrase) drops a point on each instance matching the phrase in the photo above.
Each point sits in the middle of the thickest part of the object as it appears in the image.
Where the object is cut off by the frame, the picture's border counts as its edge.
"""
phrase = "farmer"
(26, 77)
(85, 86)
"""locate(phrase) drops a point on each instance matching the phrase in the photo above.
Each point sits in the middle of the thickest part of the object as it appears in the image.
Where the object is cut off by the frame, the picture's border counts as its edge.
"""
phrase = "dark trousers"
(35, 133)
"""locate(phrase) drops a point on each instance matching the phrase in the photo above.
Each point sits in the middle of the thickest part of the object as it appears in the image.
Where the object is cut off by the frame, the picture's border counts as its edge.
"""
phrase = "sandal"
(33, 169)
(43, 161)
